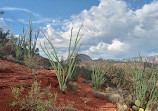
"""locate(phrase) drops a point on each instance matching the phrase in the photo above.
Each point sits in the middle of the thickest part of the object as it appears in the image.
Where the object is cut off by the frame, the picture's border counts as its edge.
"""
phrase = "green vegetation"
(117, 77)
(21, 46)
(137, 87)
(21, 49)
(34, 101)
(86, 73)
(6, 45)
(144, 85)
(38, 99)
(137, 107)
(97, 77)
(26, 46)
(63, 73)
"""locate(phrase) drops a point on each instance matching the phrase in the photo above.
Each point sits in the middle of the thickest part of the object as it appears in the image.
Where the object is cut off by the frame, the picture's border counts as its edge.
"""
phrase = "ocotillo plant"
(31, 42)
(63, 74)
(97, 77)
(27, 48)
(144, 88)
(21, 46)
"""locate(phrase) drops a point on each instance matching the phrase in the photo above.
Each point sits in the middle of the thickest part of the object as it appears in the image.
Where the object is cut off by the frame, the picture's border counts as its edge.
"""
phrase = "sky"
(113, 29)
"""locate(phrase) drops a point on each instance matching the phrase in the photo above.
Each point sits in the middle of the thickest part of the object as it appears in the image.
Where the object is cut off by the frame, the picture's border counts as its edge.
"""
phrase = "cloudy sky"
(113, 29)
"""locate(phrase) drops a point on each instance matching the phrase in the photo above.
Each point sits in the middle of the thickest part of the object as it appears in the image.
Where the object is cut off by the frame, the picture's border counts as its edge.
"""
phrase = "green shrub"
(70, 61)
(86, 73)
(98, 77)
(10, 57)
(120, 97)
(76, 73)
(6, 45)
(144, 85)
(116, 77)
(1, 50)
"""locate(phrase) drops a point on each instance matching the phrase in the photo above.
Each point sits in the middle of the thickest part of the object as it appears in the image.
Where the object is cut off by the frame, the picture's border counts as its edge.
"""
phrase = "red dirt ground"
(12, 74)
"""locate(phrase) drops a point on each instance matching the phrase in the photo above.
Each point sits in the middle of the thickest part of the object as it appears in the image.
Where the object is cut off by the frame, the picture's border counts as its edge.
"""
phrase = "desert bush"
(144, 85)
(76, 73)
(35, 99)
(10, 57)
(7, 44)
(98, 77)
(86, 73)
(1, 50)
(120, 97)
(9, 48)
(70, 61)
(116, 77)
(32, 62)
(83, 71)
(3, 41)
(38, 99)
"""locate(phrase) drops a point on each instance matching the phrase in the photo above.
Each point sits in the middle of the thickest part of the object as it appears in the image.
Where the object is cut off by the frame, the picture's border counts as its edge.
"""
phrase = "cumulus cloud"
(112, 29)
(106, 50)
(117, 46)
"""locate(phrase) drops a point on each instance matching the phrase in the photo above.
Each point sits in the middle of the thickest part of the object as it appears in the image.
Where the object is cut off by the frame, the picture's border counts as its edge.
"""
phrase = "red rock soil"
(15, 74)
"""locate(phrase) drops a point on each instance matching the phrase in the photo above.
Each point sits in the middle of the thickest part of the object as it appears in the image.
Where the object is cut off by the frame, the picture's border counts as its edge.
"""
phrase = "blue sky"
(50, 9)
(113, 29)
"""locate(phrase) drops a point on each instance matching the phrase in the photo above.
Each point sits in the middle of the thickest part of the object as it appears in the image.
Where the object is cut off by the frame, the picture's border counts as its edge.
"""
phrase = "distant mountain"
(99, 59)
(150, 59)
(84, 57)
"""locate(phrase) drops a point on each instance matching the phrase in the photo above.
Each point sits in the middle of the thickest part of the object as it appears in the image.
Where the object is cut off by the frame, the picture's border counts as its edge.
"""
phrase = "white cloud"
(111, 29)
(20, 9)
(107, 50)
(117, 46)
(38, 19)
(101, 46)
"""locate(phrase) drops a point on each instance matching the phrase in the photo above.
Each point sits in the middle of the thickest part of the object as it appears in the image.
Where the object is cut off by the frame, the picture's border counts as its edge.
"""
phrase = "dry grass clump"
(4, 67)
(85, 100)
(119, 97)
(33, 63)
